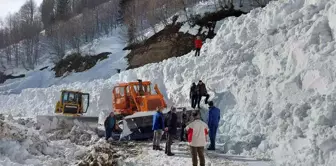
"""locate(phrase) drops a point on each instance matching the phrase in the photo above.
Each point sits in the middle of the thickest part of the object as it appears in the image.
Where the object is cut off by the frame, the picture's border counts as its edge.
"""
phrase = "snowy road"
(182, 157)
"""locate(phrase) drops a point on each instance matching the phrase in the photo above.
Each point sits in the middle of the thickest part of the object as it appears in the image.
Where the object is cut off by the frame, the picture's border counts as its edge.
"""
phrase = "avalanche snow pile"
(21, 144)
(271, 72)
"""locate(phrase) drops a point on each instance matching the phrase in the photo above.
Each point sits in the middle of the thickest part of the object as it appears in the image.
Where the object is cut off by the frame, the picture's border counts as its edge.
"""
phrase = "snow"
(102, 70)
(271, 72)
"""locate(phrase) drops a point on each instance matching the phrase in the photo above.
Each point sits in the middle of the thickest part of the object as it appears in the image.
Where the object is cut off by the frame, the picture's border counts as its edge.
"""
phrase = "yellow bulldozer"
(69, 110)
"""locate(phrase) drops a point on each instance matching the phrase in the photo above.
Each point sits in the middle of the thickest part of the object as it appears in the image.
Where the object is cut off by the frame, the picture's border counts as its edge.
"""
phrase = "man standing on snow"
(183, 125)
(202, 91)
(171, 130)
(110, 125)
(214, 117)
(197, 134)
(193, 95)
(158, 126)
(198, 45)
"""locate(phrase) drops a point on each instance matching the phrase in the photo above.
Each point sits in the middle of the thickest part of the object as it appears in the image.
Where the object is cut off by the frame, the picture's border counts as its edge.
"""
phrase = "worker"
(171, 129)
(213, 120)
(193, 95)
(202, 91)
(183, 125)
(109, 123)
(141, 91)
(158, 126)
(197, 134)
(198, 45)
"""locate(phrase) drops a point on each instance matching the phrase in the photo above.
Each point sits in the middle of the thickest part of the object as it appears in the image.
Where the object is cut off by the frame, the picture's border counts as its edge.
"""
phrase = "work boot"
(158, 148)
(154, 147)
(170, 154)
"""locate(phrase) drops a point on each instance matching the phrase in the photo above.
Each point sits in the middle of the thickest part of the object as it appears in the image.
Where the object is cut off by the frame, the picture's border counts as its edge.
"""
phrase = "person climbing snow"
(202, 91)
(213, 121)
(158, 126)
(171, 130)
(193, 95)
(198, 45)
(110, 125)
(197, 134)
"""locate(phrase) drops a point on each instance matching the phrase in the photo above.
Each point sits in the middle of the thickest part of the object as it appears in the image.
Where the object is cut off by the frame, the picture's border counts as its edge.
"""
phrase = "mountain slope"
(270, 72)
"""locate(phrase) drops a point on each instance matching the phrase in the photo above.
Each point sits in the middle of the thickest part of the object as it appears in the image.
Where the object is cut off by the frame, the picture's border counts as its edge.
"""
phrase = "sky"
(12, 6)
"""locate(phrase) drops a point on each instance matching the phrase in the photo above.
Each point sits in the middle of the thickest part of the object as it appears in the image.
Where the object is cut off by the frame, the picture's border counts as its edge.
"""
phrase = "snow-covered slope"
(271, 72)
(103, 70)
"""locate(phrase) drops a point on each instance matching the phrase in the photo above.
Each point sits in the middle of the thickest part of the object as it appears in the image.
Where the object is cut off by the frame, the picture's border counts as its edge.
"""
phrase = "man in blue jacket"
(214, 117)
(158, 126)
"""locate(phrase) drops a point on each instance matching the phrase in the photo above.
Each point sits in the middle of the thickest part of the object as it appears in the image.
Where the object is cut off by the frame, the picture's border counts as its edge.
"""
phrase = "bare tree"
(74, 34)
(31, 26)
(57, 42)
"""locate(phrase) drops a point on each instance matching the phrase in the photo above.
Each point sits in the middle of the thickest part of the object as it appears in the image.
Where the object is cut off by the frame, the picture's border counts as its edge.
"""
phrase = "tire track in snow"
(220, 159)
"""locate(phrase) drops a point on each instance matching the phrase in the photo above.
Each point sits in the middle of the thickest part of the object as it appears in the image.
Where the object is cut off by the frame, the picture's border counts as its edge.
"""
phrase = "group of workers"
(197, 92)
(196, 131)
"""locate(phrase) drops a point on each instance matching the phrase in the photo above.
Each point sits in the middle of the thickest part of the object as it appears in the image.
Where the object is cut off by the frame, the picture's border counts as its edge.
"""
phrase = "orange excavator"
(134, 104)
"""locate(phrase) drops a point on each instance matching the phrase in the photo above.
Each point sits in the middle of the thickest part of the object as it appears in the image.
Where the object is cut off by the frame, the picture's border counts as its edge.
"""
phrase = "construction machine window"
(70, 97)
(85, 100)
(146, 89)
(65, 96)
(120, 91)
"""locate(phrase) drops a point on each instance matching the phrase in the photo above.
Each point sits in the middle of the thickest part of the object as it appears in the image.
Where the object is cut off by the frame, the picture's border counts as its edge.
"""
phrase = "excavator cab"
(72, 103)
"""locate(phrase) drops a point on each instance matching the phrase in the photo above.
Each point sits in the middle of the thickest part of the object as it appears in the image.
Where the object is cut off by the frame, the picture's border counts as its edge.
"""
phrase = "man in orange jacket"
(198, 45)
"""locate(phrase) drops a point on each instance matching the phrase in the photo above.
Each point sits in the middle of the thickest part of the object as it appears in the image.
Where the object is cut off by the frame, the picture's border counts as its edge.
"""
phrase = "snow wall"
(271, 72)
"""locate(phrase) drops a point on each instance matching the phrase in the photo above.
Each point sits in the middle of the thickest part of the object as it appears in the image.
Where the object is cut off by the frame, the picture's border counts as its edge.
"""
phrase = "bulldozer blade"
(48, 123)
(139, 126)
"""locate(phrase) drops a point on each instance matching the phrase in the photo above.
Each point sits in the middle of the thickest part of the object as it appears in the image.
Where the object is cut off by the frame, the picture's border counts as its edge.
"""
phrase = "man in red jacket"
(198, 45)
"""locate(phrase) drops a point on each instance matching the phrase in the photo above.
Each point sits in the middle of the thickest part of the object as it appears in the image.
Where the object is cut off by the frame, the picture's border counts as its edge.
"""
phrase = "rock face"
(163, 45)
(78, 63)
(4, 77)
(169, 42)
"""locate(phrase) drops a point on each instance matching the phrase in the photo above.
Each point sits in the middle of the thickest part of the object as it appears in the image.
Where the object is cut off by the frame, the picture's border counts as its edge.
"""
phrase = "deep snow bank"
(271, 72)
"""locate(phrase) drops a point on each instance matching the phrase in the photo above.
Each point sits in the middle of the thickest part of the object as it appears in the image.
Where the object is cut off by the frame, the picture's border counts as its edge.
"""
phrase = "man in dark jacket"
(158, 126)
(184, 121)
(171, 130)
(213, 120)
(110, 125)
(193, 95)
(202, 91)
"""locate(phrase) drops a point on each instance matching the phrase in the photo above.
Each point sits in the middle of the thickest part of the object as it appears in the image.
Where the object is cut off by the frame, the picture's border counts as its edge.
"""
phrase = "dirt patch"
(78, 63)
(169, 42)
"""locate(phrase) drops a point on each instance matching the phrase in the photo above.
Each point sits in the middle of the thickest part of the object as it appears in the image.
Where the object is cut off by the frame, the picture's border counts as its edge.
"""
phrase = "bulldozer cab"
(132, 97)
(73, 103)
